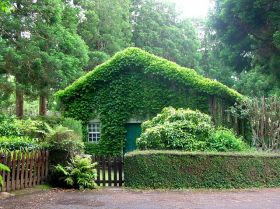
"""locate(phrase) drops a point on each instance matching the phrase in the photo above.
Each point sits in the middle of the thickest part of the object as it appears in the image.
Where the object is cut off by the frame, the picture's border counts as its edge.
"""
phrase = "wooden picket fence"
(27, 169)
(109, 171)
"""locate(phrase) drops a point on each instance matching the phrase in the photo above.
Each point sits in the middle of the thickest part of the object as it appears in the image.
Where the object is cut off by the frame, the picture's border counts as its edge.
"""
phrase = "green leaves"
(79, 173)
(158, 29)
(177, 170)
(133, 84)
(3, 168)
(185, 129)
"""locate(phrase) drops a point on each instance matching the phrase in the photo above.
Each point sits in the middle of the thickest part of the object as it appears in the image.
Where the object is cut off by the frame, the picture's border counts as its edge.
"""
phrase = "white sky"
(193, 8)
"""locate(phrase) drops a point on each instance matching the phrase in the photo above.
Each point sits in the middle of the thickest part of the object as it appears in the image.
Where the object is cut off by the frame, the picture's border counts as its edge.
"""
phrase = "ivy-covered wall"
(134, 84)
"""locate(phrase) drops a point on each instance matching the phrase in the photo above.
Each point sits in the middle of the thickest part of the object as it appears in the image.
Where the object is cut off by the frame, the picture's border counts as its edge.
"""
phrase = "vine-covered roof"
(137, 59)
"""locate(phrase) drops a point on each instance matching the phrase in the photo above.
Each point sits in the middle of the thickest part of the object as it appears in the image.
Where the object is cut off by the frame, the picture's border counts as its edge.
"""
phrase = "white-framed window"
(94, 132)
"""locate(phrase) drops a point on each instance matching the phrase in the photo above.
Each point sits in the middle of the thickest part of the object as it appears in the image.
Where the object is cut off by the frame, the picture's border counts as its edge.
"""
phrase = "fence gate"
(109, 171)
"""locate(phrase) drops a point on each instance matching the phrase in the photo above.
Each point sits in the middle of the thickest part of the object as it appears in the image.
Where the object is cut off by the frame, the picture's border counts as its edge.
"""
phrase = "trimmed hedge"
(173, 169)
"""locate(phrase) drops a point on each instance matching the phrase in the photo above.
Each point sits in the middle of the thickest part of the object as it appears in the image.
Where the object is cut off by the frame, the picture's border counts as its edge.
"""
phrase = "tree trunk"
(43, 105)
(19, 103)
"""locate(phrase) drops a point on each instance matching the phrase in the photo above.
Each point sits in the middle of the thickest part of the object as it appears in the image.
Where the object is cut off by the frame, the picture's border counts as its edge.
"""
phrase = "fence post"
(8, 182)
(23, 167)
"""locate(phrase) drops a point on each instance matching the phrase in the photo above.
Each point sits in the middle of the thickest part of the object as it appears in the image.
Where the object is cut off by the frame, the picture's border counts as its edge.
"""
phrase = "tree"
(248, 31)
(43, 54)
(158, 29)
(211, 63)
(105, 27)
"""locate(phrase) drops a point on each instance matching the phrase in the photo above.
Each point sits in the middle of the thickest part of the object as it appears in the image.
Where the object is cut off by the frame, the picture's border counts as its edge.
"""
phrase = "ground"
(115, 198)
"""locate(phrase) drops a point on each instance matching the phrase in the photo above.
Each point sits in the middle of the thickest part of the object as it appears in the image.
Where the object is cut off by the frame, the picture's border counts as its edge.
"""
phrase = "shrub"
(224, 140)
(63, 144)
(181, 129)
(188, 130)
(79, 173)
(12, 143)
(9, 128)
(15, 127)
(177, 169)
(54, 121)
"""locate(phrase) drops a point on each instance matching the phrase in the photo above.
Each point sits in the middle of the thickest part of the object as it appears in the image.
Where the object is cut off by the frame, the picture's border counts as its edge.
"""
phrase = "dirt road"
(130, 199)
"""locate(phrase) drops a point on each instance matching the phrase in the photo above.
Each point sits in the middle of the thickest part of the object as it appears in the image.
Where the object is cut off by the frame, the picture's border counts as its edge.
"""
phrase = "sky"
(193, 8)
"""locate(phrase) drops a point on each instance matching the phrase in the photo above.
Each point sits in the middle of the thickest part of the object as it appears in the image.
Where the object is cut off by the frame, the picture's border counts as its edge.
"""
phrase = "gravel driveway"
(130, 199)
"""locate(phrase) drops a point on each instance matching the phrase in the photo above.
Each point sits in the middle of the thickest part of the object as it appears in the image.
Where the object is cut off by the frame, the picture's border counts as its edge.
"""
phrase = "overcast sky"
(193, 8)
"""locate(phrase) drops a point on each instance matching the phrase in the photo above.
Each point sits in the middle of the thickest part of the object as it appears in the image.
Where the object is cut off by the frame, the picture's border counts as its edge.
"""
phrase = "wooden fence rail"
(27, 169)
(109, 171)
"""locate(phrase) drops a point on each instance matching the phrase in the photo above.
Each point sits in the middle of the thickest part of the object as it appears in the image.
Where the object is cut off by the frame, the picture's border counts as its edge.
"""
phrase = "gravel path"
(130, 199)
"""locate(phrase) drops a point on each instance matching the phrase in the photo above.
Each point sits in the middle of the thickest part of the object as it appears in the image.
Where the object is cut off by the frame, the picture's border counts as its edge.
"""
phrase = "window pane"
(94, 132)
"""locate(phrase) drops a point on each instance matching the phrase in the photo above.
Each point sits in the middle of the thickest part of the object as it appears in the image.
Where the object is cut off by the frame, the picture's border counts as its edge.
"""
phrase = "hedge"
(174, 169)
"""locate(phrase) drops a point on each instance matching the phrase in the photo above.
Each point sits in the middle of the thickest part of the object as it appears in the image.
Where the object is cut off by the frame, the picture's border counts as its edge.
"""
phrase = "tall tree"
(158, 29)
(105, 27)
(248, 31)
(44, 55)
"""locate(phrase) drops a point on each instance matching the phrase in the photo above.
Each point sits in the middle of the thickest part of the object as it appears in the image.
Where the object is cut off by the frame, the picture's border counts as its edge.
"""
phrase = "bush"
(54, 121)
(14, 127)
(176, 169)
(63, 144)
(181, 129)
(188, 130)
(224, 140)
(79, 173)
(12, 143)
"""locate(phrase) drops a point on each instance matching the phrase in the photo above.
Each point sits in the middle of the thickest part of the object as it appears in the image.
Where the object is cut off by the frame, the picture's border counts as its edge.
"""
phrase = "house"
(116, 97)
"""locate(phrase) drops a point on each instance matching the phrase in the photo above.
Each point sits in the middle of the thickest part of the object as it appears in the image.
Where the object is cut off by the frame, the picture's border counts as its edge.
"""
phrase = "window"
(94, 131)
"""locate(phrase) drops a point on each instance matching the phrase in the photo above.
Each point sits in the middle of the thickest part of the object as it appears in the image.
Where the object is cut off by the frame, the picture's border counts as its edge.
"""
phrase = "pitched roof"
(137, 59)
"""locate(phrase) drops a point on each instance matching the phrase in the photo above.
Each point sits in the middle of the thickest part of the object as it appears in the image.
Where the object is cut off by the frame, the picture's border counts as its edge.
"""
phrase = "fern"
(3, 168)
(79, 173)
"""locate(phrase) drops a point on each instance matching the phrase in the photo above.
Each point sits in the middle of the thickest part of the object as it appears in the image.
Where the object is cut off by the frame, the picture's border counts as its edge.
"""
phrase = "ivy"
(136, 84)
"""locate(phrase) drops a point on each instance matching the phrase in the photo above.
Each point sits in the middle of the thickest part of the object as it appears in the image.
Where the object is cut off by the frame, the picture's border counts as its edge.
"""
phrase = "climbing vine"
(135, 84)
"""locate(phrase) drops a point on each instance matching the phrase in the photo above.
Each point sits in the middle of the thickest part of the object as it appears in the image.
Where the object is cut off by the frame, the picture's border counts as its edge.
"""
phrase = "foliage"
(188, 130)
(105, 28)
(3, 168)
(255, 83)
(5, 6)
(41, 54)
(169, 169)
(248, 34)
(158, 29)
(211, 63)
(153, 65)
(181, 129)
(111, 93)
(225, 140)
(91, 148)
(63, 139)
(263, 114)
(13, 127)
(79, 173)
(13, 143)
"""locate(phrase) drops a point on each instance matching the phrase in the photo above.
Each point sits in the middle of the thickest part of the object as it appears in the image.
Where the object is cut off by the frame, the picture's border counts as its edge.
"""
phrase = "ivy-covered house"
(116, 97)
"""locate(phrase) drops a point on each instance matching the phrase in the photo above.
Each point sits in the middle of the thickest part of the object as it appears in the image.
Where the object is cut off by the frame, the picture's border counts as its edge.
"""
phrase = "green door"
(133, 131)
